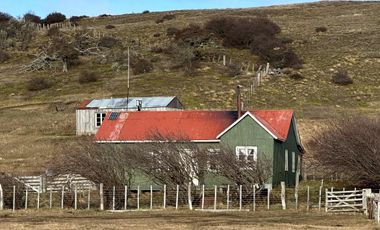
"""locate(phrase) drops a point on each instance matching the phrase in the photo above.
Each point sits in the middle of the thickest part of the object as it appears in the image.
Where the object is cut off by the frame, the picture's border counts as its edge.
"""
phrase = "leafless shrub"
(171, 31)
(87, 77)
(4, 56)
(29, 17)
(350, 146)
(54, 17)
(159, 20)
(110, 27)
(38, 83)
(342, 78)
(168, 17)
(141, 65)
(321, 29)
(53, 32)
(7, 182)
(157, 35)
(5, 17)
(108, 42)
(233, 70)
(296, 76)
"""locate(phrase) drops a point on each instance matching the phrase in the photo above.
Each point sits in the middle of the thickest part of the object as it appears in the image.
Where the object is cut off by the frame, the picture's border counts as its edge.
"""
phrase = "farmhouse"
(91, 113)
(250, 135)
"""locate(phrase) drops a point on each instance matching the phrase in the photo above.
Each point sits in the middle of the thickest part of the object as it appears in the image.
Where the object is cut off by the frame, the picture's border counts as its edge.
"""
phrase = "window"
(246, 153)
(100, 118)
(286, 160)
(293, 162)
(211, 165)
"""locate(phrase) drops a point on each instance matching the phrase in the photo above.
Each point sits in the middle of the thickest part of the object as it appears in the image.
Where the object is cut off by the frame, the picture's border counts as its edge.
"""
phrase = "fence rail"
(344, 201)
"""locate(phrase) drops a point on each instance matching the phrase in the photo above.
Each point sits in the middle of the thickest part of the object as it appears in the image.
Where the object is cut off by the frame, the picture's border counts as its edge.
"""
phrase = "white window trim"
(212, 152)
(286, 160)
(293, 162)
(102, 117)
(246, 148)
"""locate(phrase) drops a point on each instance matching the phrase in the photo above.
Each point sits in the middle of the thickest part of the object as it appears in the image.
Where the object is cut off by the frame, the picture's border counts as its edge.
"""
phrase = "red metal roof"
(185, 125)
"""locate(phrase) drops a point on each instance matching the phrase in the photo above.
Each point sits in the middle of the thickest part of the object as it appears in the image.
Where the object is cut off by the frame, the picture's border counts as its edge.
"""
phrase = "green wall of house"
(279, 173)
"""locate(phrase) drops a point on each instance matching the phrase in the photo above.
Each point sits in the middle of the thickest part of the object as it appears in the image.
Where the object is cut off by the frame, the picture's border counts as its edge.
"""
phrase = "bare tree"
(350, 146)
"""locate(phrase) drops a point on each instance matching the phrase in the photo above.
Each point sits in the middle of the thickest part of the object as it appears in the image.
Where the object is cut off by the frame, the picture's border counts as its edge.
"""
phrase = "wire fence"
(207, 198)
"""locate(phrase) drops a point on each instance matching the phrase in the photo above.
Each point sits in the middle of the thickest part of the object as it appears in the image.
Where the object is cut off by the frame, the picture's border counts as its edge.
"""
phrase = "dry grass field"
(30, 126)
(182, 220)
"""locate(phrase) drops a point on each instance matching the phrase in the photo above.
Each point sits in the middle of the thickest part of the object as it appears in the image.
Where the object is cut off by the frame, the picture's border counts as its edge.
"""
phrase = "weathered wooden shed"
(255, 134)
(91, 113)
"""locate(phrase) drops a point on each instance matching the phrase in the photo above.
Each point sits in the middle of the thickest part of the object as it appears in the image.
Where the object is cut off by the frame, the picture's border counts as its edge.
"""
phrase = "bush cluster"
(171, 31)
(3, 56)
(87, 77)
(146, 12)
(5, 17)
(259, 35)
(109, 27)
(38, 83)
(141, 65)
(342, 78)
(108, 42)
(166, 17)
(29, 17)
(53, 32)
(321, 29)
(54, 17)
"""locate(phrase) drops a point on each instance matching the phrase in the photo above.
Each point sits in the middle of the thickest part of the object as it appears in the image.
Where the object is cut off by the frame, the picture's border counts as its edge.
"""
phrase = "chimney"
(238, 100)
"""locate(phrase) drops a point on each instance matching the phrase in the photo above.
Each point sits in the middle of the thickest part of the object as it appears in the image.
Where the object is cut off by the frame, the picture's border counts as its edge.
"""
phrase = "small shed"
(91, 113)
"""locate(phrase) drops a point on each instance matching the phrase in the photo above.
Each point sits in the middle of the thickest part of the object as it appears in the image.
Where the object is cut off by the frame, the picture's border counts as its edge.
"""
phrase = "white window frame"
(293, 162)
(100, 115)
(286, 160)
(245, 150)
(212, 152)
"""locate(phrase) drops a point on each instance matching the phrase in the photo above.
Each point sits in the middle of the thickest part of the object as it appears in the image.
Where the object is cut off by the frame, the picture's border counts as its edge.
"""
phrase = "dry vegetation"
(182, 220)
(32, 124)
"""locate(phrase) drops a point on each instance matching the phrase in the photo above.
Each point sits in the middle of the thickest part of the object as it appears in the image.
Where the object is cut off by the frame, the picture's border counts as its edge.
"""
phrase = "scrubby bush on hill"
(140, 65)
(5, 17)
(54, 17)
(75, 19)
(146, 12)
(87, 77)
(29, 17)
(166, 17)
(3, 56)
(52, 32)
(171, 31)
(342, 78)
(109, 27)
(320, 29)
(108, 42)
(38, 83)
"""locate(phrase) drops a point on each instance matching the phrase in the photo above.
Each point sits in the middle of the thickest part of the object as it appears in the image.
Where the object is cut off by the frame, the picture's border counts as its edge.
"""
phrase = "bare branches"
(42, 62)
(349, 146)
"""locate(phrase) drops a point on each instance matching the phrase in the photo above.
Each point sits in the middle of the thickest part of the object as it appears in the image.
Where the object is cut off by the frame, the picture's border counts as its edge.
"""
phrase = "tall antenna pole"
(128, 81)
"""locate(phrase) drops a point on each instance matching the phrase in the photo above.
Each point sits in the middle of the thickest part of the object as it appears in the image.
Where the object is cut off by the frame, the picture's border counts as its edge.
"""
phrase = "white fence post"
(268, 198)
(1, 198)
(26, 198)
(308, 198)
(164, 196)
(254, 197)
(125, 197)
(113, 198)
(203, 196)
(326, 204)
(151, 197)
(240, 197)
(320, 198)
(14, 198)
(228, 197)
(101, 196)
(283, 202)
(138, 197)
(38, 200)
(62, 196)
(215, 195)
(50, 198)
(176, 197)
(189, 196)
(75, 197)
(89, 198)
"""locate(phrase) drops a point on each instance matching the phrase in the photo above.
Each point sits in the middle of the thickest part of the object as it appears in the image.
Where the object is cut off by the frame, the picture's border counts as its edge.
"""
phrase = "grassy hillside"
(31, 125)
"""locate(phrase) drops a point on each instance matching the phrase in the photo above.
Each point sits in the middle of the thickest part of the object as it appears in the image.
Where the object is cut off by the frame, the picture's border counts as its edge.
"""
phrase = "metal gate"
(344, 201)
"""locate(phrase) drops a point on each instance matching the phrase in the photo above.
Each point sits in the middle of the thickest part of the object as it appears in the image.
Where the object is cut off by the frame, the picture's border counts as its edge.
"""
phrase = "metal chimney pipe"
(238, 100)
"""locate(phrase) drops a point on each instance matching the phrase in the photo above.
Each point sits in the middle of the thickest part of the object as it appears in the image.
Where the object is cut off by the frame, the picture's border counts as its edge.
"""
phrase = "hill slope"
(31, 125)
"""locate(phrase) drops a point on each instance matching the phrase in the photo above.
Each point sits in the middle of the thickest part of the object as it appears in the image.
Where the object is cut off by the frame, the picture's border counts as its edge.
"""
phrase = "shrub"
(109, 27)
(156, 35)
(5, 17)
(169, 17)
(38, 83)
(108, 42)
(29, 17)
(87, 77)
(233, 70)
(342, 78)
(286, 40)
(146, 12)
(171, 31)
(7, 182)
(296, 76)
(3, 56)
(54, 17)
(53, 32)
(321, 29)
(159, 20)
(104, 15)
(141, 65)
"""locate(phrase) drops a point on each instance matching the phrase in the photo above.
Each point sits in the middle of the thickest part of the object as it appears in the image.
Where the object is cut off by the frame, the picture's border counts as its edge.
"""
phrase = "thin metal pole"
(215, 196)
(203, 196)
(228, 197)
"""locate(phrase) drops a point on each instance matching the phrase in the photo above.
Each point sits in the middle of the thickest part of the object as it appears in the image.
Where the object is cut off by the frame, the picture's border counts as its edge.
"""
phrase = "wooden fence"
(344, 201)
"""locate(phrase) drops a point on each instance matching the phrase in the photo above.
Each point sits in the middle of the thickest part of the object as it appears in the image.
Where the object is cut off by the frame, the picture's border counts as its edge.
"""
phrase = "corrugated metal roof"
(185, 125)
(131, 103)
